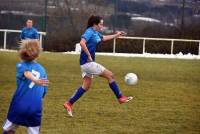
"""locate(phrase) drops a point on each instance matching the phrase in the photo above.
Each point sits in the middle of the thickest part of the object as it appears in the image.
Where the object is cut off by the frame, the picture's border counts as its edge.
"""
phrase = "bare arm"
(42, 82)
(116, 35)
(85, 49)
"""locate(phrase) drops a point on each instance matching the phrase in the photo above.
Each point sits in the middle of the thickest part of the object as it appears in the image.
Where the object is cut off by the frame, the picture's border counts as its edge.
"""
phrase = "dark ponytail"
(93, 20)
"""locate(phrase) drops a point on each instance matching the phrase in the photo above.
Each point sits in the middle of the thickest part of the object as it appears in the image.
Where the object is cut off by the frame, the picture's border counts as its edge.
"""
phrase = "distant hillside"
(165, 10)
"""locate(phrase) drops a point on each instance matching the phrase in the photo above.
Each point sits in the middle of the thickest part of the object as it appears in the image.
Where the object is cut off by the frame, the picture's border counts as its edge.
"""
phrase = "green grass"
(167, 97)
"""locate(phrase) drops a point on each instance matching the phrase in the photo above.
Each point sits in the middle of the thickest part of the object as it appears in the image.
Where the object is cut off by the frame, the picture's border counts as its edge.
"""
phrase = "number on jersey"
(36, 74)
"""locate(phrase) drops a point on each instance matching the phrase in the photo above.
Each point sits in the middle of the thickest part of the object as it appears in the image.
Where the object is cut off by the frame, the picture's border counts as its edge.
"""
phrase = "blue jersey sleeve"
(87, 35)
(36, 36)
(20, 69)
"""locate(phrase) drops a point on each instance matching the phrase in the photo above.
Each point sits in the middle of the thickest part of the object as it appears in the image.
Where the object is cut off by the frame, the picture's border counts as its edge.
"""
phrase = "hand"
(42, 82)
(121, 33)
(89, 59)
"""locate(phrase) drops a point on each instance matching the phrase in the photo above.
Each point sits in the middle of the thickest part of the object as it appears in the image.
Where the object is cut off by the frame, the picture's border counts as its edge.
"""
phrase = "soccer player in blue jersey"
(29, 32)
(89, 41)
(26, 105)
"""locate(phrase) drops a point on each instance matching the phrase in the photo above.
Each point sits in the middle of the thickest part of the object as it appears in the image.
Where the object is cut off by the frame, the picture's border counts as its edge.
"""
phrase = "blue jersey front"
(93, 38)
(29, 33)
(26, 105)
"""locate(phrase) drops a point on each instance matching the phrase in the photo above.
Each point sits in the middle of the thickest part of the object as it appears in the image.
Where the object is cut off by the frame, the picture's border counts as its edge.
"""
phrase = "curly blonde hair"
(29, 50)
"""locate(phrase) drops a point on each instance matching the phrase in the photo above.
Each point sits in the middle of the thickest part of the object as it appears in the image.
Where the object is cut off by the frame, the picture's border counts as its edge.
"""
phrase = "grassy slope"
(167, 97)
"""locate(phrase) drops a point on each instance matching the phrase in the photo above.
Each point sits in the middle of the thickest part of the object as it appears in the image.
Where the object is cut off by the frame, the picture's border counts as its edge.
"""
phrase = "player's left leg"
(34, 130)
(113, 85)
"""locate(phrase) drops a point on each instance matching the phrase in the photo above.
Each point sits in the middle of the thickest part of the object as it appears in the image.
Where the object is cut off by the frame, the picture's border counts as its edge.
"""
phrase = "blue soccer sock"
(115, 89)
(78, 93)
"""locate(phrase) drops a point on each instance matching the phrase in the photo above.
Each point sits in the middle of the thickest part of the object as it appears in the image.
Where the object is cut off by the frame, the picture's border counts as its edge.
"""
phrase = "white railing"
(114, 41)
(17, 31)
(157, 39)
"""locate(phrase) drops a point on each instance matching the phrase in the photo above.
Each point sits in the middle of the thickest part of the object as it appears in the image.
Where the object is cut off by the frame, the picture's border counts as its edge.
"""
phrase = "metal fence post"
(5, 37)
(41, 41)
(199, 47)
(114, 45)
(143, 46)
(172, 47)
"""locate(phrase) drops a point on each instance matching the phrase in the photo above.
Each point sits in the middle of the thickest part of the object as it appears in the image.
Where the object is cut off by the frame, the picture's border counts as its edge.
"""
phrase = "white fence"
(155, 39)
(17, 31)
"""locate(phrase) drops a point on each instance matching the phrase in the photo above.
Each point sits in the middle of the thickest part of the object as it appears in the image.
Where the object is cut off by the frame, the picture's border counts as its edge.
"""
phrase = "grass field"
(167, 97)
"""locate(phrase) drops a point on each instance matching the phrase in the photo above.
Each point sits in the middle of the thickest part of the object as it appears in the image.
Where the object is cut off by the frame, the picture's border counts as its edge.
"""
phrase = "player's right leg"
(9, 127)
(87, 81)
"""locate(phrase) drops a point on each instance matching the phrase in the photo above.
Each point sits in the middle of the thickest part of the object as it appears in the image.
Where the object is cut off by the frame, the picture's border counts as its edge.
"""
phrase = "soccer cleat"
(124, 99)
(68, 107)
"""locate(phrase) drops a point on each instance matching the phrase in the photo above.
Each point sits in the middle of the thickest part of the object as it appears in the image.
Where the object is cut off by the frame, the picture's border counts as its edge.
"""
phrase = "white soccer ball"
(131, 79)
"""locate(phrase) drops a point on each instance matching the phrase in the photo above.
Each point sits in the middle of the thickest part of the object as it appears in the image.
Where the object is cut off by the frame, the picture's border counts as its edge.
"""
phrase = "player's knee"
(111, 75)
